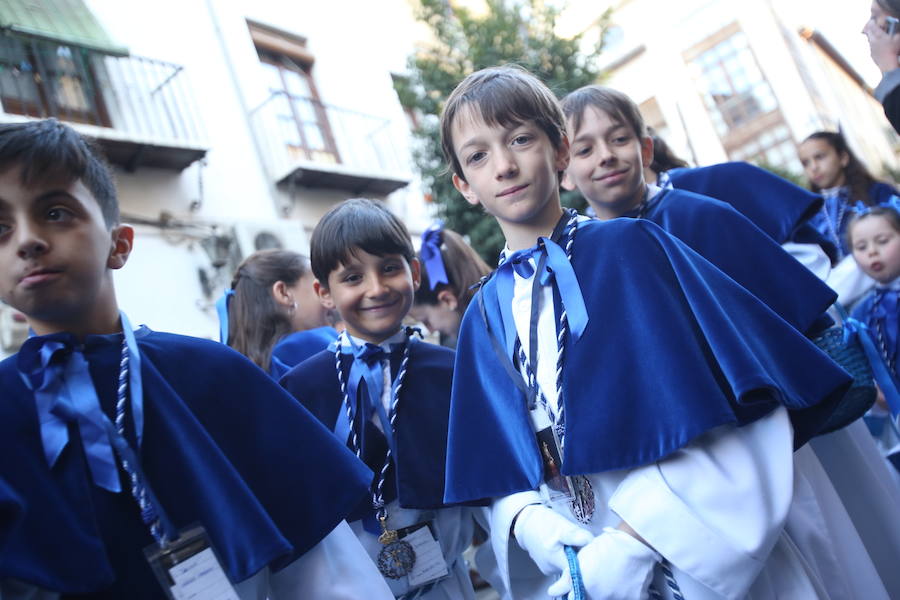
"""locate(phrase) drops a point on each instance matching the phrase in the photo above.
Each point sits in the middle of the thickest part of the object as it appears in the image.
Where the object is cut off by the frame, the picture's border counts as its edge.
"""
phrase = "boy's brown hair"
(505, 96)
(613, 102)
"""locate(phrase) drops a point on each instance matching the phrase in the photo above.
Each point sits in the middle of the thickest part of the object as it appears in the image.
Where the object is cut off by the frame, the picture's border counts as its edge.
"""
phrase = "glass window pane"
(297, 85)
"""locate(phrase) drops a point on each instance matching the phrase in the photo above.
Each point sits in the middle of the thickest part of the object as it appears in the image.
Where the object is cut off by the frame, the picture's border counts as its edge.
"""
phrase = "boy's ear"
(646, 151)
(121, 243)
(562, 154)
(463, 187)
(448, 299)
(567, 182)
(415, 268)
(324, 294)
(845, 159)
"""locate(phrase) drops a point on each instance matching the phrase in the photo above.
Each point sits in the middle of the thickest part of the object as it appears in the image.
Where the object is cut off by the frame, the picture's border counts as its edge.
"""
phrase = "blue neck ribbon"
(222, 310)
(558, 270)
(366, 366)
(430, 252)
(65, 393)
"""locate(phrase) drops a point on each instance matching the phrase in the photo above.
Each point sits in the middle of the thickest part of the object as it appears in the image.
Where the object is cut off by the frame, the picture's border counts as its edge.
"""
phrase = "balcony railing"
(139, 109)
(309, 143)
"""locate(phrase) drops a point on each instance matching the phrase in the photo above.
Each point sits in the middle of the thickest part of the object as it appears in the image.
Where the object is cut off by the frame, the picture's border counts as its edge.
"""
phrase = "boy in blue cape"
(613, 390)
(386, 395)
(118, 440)
(608, 132)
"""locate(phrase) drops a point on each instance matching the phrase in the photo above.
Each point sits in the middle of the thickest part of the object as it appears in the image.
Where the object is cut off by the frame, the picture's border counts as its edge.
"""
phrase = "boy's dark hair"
(255, 321)
(613, 102)
(889, 213)
(859, 180)
(49, 150)
(464, 269)
(505, 96)
(664, 159)
(356, 224)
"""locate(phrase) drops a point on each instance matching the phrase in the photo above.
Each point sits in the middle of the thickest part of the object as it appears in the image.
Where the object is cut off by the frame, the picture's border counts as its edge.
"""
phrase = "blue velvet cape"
(773, 203)
(673, 349)
(10, 511)
(417, 478)
(223, 445)
(294, 348)
(727, 239)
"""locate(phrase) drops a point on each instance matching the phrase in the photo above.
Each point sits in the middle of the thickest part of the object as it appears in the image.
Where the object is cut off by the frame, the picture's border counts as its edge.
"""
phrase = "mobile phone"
(891, 25)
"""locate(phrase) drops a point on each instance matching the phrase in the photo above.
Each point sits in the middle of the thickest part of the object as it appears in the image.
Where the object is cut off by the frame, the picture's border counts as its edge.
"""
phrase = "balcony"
(315, 145)
(139, 110)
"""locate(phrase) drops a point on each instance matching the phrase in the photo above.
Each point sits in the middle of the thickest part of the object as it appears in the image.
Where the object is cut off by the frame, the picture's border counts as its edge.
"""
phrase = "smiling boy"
(386, 395)
(211, 437)
(605, 347)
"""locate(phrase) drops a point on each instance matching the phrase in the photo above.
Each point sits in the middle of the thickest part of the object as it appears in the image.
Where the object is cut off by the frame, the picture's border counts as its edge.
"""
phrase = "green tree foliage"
(510, 31)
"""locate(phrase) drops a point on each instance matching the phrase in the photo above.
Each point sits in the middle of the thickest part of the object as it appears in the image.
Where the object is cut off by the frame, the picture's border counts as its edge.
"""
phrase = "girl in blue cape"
(120, 440)
(604, 396)
(874, 236)
(274, 317)
(839, 176)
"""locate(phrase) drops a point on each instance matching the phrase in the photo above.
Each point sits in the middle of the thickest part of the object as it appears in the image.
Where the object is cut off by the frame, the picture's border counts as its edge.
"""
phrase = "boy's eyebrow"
(605, 133)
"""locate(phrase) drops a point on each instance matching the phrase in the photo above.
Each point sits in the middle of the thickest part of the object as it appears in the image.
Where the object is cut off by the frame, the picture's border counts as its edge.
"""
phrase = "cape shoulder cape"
(673, 349)
(727, 239)
(223, 445)
(294, 348)
(772, 203)
(417, 478)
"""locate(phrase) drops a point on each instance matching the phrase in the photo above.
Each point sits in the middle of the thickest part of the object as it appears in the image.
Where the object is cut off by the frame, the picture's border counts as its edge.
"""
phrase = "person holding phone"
(883, 32)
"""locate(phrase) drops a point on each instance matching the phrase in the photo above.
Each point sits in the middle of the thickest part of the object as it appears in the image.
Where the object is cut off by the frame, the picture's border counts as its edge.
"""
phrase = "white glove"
(615, 566)
(542, 533)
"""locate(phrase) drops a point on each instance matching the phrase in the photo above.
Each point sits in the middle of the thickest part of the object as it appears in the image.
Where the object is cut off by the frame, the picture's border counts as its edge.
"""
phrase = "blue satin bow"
(55, 369)
(558, 269)
(366, 365)
(861, 208)
(430, 252)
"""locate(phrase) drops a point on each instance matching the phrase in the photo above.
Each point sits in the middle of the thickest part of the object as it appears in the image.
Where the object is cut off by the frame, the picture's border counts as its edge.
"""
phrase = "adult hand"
(615, 566)
(884, 48)
(543, 533)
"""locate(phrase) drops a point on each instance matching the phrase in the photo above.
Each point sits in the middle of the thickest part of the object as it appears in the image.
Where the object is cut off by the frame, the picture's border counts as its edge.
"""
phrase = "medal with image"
(582, 503)
(398, 557)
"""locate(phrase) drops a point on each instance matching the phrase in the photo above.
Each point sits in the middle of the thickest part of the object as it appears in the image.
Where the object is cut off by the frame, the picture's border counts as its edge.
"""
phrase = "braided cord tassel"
(378, 496)
(354, 440)
(571, 228)
(138, 491)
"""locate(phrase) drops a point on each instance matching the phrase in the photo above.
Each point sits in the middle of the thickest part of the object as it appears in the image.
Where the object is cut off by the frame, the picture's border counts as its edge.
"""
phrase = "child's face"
(876, 248)
(309, 312)
(371, 293)
(823, 166)
(55, 255)
(607, 163)
(511, 171)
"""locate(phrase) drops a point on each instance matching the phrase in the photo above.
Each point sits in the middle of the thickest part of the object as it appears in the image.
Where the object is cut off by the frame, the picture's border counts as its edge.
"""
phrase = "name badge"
(188, 569)
(430, 566)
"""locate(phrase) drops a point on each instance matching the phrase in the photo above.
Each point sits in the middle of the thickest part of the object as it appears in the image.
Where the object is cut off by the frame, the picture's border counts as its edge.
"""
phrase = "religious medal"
(582, 503)
(397, 558)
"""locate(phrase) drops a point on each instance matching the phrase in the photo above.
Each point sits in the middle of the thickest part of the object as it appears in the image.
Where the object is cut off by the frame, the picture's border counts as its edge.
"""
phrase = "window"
(302, 120)
(733, 88)
(47, 79)
(740, 101)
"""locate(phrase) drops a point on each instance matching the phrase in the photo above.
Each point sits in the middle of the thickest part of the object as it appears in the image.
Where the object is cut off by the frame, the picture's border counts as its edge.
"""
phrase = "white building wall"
(210, 38)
